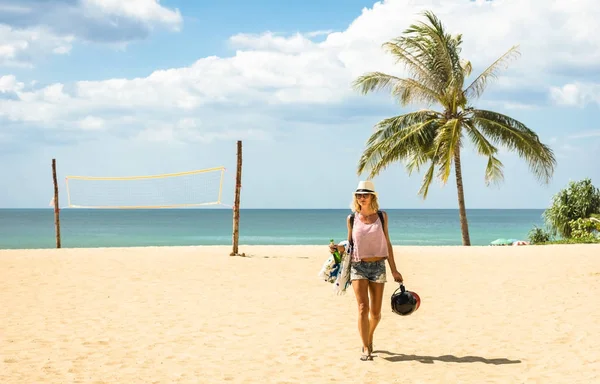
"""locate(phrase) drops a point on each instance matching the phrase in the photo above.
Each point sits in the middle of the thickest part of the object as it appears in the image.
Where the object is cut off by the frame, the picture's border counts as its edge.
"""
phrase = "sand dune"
(195, 315)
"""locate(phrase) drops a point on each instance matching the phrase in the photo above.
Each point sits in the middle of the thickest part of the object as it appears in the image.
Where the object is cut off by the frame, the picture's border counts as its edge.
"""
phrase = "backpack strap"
(351, 226)
(381, 218)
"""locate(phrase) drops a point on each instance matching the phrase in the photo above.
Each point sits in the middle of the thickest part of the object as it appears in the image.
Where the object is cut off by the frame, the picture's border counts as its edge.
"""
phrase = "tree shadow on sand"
(395, 357)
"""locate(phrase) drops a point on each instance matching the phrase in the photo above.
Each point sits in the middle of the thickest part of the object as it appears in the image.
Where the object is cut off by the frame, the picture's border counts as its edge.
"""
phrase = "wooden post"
(56, 210)
(236, 204)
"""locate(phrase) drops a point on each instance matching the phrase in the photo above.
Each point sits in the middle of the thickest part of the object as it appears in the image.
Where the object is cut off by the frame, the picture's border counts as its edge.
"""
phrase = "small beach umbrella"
(501, 241)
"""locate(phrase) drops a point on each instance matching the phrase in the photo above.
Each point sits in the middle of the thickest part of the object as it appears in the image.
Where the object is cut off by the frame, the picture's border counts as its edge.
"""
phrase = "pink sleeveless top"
(369, 240)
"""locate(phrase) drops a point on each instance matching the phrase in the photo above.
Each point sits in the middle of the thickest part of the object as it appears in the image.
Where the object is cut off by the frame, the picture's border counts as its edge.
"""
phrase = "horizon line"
(228, 208)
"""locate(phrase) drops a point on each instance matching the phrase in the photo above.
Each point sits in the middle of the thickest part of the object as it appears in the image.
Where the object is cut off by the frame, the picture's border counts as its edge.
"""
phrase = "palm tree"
(434, 138)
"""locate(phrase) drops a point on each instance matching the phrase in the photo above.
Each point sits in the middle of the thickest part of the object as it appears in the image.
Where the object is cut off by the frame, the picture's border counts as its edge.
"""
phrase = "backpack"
(379, 213)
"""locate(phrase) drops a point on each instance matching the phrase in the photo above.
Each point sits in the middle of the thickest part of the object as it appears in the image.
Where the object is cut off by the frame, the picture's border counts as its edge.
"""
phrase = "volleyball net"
(170, 190)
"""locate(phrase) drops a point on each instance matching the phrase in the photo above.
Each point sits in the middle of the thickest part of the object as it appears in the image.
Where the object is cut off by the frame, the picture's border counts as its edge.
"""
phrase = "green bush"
(588, 240)
(538, 235)
(580, 200)
(584, 228)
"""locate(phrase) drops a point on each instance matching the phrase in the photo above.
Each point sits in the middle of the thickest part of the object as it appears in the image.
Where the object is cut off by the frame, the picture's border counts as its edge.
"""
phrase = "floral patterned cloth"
(335, 273)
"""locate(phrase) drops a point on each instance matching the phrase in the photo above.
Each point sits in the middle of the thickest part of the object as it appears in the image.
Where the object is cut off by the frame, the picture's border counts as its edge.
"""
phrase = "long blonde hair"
(355, 206)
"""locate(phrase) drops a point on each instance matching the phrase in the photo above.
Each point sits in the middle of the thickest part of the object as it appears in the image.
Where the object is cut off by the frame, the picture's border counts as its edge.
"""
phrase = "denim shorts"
(373, 271)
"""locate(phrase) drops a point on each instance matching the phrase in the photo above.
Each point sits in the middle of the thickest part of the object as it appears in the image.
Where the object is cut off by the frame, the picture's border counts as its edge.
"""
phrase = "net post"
(56, 209)
(236, 204)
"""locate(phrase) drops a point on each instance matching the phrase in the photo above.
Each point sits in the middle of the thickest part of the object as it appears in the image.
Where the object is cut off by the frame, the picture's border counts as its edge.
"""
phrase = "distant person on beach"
(370, 247)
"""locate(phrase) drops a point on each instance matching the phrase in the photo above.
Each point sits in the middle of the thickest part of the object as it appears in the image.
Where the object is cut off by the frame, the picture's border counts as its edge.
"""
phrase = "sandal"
(365, 356)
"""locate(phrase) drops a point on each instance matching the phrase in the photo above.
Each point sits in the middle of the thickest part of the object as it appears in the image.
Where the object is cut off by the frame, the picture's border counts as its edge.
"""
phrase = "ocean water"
(81, 228)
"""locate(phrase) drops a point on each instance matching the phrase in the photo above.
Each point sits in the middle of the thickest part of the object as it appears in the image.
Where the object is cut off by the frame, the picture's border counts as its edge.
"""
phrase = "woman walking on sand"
(371, 246)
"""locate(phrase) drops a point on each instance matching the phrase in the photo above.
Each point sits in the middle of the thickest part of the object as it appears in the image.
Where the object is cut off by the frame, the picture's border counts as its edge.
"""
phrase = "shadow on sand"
(395, 357)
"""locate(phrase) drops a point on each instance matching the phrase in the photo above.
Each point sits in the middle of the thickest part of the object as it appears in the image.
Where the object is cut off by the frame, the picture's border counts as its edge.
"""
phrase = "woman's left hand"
(397, 277)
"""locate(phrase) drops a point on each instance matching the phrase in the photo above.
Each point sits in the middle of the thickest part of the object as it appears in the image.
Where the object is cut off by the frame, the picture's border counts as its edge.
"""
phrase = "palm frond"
(379, 155)
(396, 138)
(429, 48)
(410, 91)
(436, 51)
(432, 58)
(374, 81)
(427, 154)
(414, 65)
(416, 159)
(406, 90)
(447, 142)
(427, 179)
(467, 68)
(493, 170)
(476, 88)
(515, 136)
(448, 49)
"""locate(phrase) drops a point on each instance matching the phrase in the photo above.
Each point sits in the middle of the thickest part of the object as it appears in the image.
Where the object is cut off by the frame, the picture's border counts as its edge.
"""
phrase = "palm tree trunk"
(462, 211)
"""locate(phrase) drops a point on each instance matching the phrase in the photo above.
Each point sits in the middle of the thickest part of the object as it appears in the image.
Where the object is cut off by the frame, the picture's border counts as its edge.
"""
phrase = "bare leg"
(361, 291)
(376, 290)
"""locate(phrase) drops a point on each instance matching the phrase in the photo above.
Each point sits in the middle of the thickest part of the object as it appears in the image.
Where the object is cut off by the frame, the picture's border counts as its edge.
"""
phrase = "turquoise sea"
(34, 228)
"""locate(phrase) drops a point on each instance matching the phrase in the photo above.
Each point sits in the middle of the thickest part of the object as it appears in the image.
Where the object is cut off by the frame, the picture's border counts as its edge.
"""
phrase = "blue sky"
(112, 88)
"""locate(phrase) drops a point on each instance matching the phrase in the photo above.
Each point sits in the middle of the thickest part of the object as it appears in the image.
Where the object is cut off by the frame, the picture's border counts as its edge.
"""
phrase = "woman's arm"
(349, 229)
(341, 248)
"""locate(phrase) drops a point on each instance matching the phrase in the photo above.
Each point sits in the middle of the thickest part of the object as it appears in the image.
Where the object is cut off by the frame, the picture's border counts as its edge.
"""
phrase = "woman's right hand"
(332, 248)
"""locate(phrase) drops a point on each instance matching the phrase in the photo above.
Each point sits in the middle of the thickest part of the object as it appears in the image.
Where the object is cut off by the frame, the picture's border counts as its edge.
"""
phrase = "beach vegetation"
(538, 235)
(573, 210)
(573, 217)
(432, 139)
(582, 228)
(572, 240)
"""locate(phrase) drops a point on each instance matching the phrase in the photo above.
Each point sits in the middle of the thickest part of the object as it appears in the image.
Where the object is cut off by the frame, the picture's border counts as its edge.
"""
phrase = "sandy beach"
(196, 315)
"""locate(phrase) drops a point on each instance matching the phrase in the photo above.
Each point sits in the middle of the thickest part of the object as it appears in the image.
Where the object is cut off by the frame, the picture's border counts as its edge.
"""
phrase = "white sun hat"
(366, 186)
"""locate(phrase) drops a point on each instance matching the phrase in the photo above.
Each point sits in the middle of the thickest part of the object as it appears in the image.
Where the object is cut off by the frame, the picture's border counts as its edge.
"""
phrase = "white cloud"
(9, 83)
(194, 130)
(323, 32)
(91, 123)
(32, 28)
(20, 47)
(147, 11)
(576, 94)
(510, 105)
(551, 39)
(270, 72)
(269, 41)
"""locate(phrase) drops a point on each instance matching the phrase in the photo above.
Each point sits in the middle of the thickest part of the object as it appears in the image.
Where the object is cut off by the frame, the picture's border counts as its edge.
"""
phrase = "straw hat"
(365, 187)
